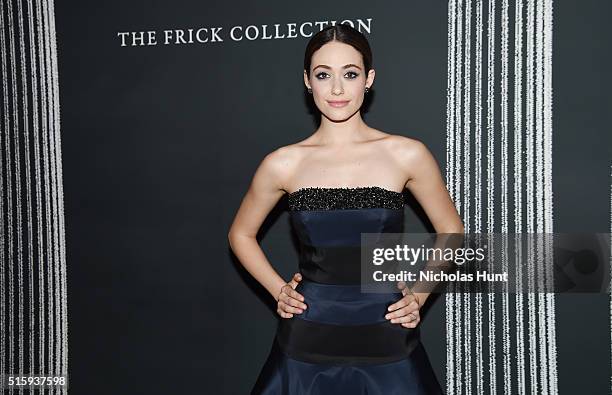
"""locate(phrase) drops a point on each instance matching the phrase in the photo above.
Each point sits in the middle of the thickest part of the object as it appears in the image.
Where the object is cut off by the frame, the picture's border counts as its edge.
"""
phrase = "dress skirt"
(343, 344)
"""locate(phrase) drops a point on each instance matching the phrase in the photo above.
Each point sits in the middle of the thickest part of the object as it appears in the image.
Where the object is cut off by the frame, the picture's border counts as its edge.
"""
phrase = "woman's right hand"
(289, 300)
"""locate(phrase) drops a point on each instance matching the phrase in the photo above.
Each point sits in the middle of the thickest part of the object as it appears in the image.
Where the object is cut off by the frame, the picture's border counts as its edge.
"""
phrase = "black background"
(160, 143)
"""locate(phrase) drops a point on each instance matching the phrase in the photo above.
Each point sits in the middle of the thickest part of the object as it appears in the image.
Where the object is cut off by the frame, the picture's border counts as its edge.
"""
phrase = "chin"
(342, 115)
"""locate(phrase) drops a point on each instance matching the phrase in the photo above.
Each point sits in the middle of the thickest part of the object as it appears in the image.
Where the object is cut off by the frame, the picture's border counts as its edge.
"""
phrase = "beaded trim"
(341, 198)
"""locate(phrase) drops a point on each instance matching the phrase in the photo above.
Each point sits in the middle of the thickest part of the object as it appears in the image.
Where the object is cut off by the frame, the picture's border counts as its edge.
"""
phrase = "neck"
(351, 130)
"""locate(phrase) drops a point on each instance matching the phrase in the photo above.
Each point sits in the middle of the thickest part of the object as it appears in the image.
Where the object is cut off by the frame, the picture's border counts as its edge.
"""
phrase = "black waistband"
(338, 344)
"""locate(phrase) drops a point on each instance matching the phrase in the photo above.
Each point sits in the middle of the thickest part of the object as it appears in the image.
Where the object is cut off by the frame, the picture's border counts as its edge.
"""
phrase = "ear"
(370, 79)
(306, 82)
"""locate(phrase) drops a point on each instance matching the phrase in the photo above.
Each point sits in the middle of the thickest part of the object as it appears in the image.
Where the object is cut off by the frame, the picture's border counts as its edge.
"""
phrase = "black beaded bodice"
(343, 198)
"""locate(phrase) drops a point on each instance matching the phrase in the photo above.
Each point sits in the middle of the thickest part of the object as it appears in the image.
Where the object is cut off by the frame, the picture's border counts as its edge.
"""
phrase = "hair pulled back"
(342, 33)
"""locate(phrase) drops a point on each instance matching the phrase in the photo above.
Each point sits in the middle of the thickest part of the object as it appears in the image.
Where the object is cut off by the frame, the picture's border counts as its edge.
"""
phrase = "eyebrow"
(346, 66)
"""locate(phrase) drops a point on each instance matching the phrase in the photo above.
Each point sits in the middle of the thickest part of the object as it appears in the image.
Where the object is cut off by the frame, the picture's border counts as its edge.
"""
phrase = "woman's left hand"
(406, 310)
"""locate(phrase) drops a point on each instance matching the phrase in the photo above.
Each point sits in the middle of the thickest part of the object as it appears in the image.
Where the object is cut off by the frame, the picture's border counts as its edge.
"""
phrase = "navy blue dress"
(342, 343)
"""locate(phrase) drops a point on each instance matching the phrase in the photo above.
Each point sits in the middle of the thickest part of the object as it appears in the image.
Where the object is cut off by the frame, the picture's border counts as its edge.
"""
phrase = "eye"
(354, 75)
(320, 74)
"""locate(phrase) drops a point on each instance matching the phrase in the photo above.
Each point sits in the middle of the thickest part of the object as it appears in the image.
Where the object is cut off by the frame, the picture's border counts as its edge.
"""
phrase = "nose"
(337, 87)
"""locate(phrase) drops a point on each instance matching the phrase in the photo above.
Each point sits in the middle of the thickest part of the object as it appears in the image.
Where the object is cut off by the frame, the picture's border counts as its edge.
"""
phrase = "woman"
(345, 179)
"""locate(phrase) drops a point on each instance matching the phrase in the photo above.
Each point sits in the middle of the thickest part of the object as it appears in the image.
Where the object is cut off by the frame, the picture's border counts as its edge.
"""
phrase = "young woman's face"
(338, 80)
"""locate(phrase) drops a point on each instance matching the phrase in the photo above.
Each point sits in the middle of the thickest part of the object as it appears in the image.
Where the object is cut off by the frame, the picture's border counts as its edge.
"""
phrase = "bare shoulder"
(281, 163)
(405, 149)
(411, 155)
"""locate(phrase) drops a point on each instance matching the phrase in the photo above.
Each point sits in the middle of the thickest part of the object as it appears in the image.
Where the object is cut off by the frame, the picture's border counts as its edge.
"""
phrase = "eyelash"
(351, 72)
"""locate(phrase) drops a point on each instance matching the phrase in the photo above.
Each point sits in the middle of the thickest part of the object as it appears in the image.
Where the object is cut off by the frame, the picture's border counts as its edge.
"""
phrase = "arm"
(425, 182)
(263, 194)
(428, 187)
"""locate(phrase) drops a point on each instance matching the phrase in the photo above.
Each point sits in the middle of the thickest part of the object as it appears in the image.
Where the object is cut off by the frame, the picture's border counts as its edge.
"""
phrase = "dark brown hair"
(341, 33)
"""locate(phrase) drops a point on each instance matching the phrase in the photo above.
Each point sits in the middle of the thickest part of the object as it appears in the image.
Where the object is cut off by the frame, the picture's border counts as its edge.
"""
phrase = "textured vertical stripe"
(5, 241)
(32, 243)
(491, 182)
(450, 123)
(60, 262)
(44, 363)
(504, 192)
(28, 194)
(458, 118)
(478, 306)
(529, 109)
(526, 361)
(539, 149)
(518, 189)
(459, 305)
(548, 191)
(467, 67)
(10, 135)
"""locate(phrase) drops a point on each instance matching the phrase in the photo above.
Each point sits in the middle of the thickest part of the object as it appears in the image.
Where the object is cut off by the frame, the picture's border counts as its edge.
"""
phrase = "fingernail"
(387, 316)
(393, 321)
(389, 308)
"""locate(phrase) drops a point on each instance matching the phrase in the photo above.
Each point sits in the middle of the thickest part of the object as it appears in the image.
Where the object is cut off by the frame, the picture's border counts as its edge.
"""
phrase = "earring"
(310, 90)
(367, 89)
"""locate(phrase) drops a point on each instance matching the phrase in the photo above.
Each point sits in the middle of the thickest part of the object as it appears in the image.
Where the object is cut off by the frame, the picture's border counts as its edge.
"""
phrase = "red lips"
(338, 103)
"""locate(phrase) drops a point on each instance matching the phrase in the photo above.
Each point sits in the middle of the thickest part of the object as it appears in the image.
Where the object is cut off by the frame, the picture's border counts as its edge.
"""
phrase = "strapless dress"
(342, 343)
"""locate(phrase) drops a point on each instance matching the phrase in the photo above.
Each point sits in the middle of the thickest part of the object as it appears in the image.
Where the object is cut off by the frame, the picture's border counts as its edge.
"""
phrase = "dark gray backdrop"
(160, 143)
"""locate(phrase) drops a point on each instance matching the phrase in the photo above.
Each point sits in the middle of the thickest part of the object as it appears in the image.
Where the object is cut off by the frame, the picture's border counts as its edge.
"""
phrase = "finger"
(412, 324)
(283, 297)
(283, 314)
(291, 301)
(408, 291)
(401, 285)
(404, 319)
(289, 309)
(402, 312)
(405, 301)
(290, 293)
(295, 303)
(297, 277)
(295, 295)
(285, 288)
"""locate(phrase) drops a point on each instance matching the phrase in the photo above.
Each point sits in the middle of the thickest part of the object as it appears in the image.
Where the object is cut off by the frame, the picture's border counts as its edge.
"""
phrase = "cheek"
(355, 91)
